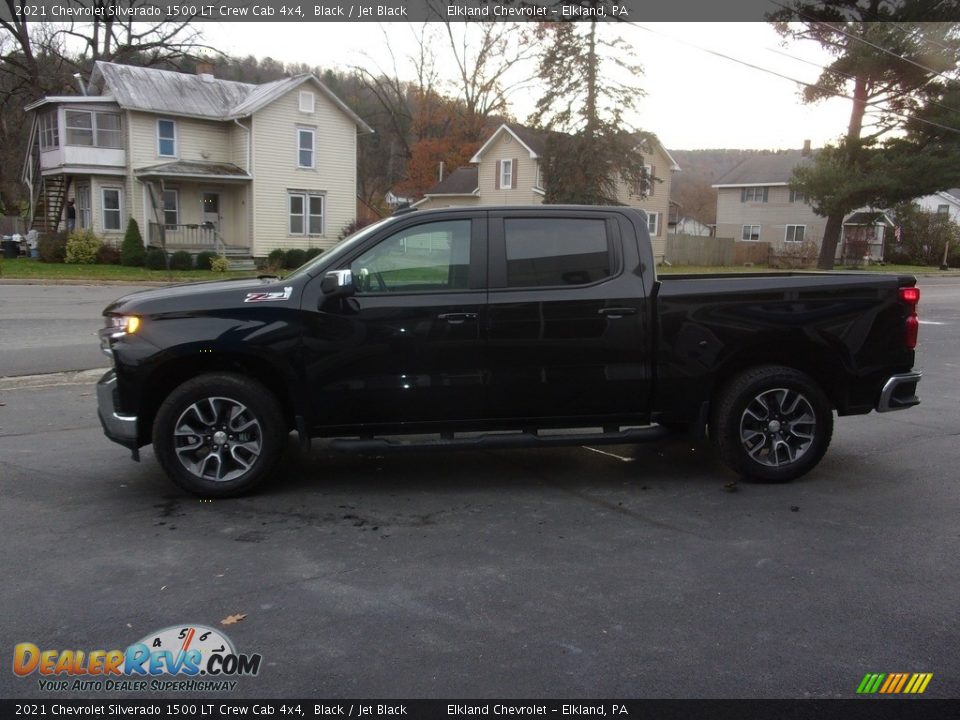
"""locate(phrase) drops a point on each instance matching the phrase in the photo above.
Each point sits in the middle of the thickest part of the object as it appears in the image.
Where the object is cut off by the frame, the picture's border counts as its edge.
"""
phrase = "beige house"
(755, 203)
(506, 171)
(199, 162)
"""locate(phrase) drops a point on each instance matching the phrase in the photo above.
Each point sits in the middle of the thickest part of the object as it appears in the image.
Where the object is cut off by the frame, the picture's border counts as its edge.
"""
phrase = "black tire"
(219, 435)
(772, 424)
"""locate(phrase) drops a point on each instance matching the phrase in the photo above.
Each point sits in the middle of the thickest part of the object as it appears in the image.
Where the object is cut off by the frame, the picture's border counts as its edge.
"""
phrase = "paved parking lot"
(632, 572)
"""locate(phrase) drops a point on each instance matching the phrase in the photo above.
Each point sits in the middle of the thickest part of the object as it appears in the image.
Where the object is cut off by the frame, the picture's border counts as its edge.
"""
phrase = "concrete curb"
(74, 377)
(129, 283)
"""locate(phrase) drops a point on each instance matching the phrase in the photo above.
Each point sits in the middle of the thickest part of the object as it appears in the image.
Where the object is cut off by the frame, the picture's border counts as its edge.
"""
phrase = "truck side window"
(423, 258)
(544, 252)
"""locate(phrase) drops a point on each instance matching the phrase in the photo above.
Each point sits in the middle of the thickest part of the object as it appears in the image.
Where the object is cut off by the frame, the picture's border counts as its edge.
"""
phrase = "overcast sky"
(694, 99)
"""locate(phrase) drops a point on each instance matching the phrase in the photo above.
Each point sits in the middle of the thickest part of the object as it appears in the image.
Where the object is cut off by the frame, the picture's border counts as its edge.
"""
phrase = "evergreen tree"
(590, 89)
(894, 71)
(132, 252)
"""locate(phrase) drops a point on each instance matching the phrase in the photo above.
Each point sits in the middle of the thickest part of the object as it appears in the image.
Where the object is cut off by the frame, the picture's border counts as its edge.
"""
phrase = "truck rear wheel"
(772, 424)
(219, 435)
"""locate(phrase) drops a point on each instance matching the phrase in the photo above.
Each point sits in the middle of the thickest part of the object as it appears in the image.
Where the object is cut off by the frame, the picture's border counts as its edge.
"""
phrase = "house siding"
(772, 216)
(274, 161)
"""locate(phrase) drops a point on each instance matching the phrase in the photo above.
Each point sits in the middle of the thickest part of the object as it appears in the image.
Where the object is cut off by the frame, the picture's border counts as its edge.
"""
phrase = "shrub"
(82, 248)
(897, 256)
(219, 264)
(276, 259)
(52, 247)
(155, 259)
(313, 252)
(204, 259)
(132, 253)
(796, 255)
(294, 258)
(108, 255)
(181, 260)
(350, 228)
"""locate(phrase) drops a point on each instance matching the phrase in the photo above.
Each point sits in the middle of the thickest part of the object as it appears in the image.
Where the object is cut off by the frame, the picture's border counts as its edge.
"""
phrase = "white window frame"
(743, 233)
(540, 176)
(655, 217)
(786, 233)
(754, 193)
(313, 148)
(49, 131)
(174, 139)
(311, 101)
(118, 131)
(176, 206)
(68, 127)
(506, 174)
(798, 196)
(305, 216)
(118, 211)
(943, 209)
(82, 200)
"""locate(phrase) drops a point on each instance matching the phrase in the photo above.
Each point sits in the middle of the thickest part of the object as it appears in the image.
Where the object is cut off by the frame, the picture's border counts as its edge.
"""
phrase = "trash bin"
(10, 249)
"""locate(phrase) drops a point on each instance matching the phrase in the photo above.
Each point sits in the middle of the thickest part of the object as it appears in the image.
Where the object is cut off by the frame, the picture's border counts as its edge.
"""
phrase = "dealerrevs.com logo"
(181, 658)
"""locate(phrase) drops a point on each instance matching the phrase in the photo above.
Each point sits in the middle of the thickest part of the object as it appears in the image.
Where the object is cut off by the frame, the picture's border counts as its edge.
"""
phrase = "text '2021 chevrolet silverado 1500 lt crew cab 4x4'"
(501, 327)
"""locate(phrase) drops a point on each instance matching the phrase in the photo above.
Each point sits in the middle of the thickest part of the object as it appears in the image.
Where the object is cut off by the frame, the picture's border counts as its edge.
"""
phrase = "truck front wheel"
(772, 423)
(219, 435)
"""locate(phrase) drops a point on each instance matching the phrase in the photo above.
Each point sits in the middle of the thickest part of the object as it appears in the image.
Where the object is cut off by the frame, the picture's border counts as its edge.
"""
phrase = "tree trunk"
(831, 237)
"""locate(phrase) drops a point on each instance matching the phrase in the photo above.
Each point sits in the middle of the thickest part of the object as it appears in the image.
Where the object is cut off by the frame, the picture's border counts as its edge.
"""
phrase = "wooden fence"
(714, 252)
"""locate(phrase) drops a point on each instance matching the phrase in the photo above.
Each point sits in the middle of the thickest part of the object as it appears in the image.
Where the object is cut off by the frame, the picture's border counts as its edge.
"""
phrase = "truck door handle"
(617, 312)
(457, 318)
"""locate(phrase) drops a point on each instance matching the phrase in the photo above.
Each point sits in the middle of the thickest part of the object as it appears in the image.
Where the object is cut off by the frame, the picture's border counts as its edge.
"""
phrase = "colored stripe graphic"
(894, 683)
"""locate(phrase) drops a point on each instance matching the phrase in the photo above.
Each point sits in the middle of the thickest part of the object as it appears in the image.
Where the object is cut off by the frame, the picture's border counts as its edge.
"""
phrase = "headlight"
(123, 324)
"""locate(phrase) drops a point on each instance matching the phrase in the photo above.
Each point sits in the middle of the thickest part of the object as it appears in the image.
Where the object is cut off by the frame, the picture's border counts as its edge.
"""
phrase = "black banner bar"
(272, 709)
(402, 10)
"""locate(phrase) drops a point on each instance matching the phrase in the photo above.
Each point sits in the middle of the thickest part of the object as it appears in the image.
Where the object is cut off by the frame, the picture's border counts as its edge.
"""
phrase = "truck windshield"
(330, 256)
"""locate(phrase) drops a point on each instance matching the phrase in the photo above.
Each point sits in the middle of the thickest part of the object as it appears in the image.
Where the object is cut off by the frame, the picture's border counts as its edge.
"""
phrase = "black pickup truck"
(501, 327)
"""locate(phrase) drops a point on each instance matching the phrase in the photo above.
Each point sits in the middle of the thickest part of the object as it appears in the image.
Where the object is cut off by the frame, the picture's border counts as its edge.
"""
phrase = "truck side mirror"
(337, 283)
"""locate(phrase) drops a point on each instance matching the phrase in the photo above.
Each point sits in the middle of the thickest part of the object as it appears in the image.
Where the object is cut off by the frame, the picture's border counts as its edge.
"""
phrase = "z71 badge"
(269, 296)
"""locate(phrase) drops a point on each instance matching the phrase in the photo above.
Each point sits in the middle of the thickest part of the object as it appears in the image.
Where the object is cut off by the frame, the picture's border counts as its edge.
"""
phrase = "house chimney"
(806, 149)
(205, 70)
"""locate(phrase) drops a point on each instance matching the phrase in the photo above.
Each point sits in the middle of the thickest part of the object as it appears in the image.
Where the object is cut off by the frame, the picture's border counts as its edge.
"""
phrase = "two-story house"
(201, 163)
(755, 203)
(506, 171)
(945, 202)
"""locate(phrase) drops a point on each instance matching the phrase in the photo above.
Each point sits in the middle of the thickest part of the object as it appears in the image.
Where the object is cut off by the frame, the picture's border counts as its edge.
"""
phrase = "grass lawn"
(23, 268)
(700, 269)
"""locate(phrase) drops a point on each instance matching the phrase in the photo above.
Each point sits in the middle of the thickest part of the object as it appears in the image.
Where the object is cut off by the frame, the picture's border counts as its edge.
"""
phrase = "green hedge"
(155, 259)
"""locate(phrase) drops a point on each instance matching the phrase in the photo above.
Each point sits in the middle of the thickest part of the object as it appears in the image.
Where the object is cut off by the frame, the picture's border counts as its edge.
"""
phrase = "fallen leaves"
(233, 619)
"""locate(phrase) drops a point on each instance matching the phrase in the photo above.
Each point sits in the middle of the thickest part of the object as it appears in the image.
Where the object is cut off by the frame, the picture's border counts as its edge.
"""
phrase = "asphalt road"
(634, 572)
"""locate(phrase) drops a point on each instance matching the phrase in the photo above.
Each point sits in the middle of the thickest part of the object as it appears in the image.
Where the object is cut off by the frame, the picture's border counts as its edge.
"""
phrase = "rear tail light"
(910, 296)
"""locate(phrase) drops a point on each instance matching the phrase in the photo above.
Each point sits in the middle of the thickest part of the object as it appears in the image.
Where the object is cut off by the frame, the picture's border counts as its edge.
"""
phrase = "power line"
(924, 38)
(787, 77)
(865, 41)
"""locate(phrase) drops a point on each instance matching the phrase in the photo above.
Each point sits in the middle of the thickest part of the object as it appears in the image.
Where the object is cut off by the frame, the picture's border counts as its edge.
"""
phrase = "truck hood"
(204, 296)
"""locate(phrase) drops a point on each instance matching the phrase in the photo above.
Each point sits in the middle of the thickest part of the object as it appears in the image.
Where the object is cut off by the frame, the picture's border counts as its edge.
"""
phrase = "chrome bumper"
(899, 392)
(119, 428)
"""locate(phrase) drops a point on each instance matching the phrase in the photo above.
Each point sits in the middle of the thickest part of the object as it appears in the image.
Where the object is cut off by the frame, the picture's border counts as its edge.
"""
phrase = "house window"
(305, 213)
(653, 223)
(307, 103)
(83, 206)
(795, 233)
(171, 208)
(540, 175)
(506, 174)
(750, 232)
(943, 209)
(111, 204)
(550, 252)
(797, 197)
(108, 130)
(166, 138)
(753, 194)
(79, 127)
(49, 131)
(305, 148)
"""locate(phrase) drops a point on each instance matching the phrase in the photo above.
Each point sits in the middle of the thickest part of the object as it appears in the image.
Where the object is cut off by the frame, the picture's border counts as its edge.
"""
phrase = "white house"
(200, 162)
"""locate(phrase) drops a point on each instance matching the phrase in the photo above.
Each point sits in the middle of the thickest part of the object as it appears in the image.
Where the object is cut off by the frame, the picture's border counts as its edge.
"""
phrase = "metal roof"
(194, 169)
(199, 96)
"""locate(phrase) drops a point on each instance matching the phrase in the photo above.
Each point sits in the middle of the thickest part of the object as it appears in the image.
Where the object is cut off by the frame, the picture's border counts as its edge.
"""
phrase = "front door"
(210, 210)
(406, 347)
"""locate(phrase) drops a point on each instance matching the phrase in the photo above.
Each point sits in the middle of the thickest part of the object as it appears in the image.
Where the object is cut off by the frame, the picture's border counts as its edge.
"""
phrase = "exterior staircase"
(48, 207)
(239, 257)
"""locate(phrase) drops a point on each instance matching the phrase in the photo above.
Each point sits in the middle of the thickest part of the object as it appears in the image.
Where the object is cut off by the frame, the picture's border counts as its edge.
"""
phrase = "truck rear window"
(545, 252)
